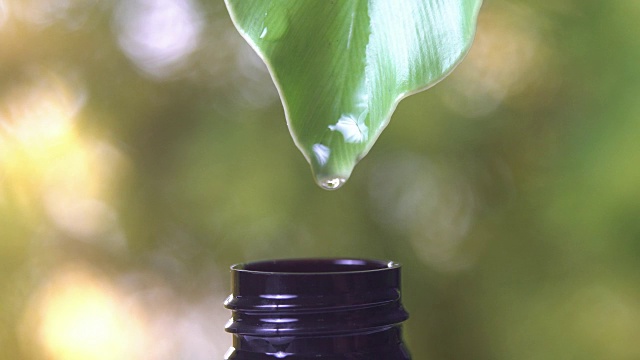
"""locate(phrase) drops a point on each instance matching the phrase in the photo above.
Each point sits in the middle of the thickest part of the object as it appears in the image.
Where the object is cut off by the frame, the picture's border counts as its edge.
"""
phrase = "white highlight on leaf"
(321, 153)
(354, 130)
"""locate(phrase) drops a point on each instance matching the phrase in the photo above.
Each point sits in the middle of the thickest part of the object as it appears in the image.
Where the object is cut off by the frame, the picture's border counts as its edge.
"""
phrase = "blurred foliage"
(143, 150)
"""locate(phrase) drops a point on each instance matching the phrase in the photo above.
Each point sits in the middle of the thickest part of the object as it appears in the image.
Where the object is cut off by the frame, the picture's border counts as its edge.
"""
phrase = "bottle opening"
(309, 266)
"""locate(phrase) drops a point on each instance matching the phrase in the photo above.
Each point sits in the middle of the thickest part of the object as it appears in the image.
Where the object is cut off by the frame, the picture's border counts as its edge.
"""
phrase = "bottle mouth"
(314, 296)
(315, 266)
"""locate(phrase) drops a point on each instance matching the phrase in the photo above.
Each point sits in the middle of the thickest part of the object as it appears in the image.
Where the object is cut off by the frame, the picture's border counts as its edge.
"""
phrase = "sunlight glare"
(80, 315)
(40, 115)
(47, 163)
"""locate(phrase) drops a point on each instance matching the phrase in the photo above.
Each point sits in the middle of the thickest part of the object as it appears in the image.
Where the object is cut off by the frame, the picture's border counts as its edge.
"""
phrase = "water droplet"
(332, 184)
(264, 33)
(332, 163)
(276, 24)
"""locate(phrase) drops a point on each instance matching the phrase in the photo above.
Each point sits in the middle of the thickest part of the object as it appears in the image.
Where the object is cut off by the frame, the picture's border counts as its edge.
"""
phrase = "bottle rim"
(315, 266)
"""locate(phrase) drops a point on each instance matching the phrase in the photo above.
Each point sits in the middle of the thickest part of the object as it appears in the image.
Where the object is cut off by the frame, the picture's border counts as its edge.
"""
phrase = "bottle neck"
(383, 343)
(316, 309)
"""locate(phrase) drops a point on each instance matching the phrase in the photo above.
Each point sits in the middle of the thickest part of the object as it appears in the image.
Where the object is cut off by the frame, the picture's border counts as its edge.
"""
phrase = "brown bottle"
(320, 309)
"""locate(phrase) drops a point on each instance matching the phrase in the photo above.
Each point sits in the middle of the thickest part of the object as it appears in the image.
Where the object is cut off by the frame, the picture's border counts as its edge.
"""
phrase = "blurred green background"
(143, 150)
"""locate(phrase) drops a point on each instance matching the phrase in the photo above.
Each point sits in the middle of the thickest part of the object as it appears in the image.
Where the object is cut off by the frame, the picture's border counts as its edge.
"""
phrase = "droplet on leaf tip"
(332, 183)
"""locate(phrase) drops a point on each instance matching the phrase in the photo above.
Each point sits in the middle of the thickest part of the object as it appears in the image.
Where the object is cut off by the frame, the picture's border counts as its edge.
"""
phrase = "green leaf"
(342, 66)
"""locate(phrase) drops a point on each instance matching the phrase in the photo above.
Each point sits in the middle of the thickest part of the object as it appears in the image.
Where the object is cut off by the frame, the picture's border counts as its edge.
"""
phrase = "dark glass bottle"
(320, 309)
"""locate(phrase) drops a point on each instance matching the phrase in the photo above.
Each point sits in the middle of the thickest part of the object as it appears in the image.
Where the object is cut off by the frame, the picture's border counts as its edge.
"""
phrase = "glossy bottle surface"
(325, 309)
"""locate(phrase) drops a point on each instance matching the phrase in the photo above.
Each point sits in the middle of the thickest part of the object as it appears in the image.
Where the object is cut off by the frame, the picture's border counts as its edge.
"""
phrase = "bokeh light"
(78, 314)
(4, 12)
(46, 160)
(75, 188)
(36, 127)
(509, 55)
(39, 114)
(428, 204)
(43, 13)
(158, 35)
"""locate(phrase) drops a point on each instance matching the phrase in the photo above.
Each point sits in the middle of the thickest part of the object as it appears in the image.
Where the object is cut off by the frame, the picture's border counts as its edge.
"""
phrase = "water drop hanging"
(332, 184)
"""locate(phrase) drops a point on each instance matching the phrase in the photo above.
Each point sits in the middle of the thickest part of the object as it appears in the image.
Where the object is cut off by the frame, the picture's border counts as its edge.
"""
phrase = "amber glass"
(321, 309)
